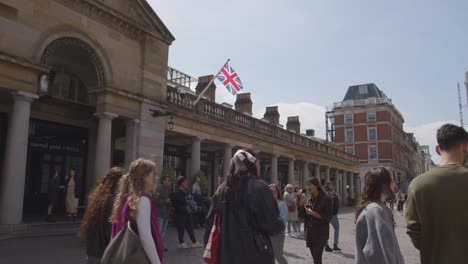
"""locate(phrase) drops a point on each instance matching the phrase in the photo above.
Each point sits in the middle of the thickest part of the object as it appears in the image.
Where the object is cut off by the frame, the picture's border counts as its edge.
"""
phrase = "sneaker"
(197, 245)
(336, 248)
(183, 246)
(328, 248)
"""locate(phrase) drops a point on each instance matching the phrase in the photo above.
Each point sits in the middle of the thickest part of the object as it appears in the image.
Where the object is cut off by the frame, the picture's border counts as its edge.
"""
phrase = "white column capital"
(197, 139)
(24, 96)
(106, 115)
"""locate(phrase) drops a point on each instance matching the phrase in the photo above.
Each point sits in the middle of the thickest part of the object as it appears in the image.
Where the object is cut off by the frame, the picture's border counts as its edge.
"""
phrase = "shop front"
(52, 147)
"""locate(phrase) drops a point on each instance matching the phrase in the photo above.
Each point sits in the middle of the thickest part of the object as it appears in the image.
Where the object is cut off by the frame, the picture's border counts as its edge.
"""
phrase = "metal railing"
(233, 118)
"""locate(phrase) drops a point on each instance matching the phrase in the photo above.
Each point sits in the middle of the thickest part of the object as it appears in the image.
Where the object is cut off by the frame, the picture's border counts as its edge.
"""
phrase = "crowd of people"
(248, 219)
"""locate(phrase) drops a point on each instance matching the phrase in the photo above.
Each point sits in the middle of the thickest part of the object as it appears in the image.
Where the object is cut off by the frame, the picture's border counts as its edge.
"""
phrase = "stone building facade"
(85, 85)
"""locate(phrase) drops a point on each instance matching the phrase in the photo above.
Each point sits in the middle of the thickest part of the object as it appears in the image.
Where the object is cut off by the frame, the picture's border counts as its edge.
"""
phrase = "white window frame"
(363, 89)
(375, 117)
(368, 134)
(346, 119)
(376, 152)
(346, 135)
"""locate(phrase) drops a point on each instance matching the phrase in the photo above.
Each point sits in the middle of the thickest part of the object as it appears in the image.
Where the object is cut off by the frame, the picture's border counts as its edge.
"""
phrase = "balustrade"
(218, 112)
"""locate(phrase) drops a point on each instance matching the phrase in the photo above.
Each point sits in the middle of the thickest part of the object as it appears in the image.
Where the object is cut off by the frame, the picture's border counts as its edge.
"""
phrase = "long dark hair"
(377, 181)
(316, 183)
(237, 178)
(97, 201)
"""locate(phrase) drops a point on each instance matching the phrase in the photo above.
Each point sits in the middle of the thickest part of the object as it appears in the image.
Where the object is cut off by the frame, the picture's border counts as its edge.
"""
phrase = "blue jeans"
(162, 222)
(336, 225)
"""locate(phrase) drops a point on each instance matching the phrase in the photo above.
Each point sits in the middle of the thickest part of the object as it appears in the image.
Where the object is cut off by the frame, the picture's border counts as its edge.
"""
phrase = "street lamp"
(157, 113)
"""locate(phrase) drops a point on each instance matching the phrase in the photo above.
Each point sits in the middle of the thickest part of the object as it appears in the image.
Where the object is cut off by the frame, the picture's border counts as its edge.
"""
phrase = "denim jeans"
(162, 222)
(336, 225)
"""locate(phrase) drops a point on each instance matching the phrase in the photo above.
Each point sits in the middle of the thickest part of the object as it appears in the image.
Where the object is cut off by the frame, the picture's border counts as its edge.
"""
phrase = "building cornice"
(116, 20)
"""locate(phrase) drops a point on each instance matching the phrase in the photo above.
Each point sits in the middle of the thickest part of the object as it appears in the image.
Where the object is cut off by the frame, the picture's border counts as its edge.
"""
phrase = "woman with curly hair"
(138, 209)
(96, 228)
(376, 241)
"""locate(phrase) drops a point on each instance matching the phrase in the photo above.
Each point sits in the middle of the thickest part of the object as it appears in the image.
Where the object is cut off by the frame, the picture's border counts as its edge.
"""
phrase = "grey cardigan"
(376, 242)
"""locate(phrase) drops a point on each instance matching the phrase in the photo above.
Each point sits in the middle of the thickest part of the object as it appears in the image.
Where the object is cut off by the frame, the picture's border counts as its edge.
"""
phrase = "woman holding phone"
(317, 212)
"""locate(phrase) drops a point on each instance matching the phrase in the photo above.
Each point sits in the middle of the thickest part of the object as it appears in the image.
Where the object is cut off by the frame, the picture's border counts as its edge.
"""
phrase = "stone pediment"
(131, 17)
(143, 14)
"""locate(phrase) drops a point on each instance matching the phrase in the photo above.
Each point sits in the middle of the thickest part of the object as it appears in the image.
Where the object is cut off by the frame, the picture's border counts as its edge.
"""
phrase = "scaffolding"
(460, 105)
(330, 125)
(176, 78)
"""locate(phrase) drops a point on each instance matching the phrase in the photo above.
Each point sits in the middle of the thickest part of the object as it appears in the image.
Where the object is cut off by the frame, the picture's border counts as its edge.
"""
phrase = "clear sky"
(303, 54)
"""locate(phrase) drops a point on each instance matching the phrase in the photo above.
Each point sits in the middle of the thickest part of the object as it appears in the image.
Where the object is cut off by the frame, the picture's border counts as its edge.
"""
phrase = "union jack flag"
(230, 79)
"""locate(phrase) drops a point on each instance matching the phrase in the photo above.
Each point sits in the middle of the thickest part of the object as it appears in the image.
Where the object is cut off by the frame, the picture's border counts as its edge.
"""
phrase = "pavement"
(66, 248)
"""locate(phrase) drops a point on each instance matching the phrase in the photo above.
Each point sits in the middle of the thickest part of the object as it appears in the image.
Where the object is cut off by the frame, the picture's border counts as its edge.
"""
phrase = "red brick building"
(368, 125)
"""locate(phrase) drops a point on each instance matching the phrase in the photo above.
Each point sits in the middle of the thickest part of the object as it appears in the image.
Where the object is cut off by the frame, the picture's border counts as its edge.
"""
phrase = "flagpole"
(208, 85)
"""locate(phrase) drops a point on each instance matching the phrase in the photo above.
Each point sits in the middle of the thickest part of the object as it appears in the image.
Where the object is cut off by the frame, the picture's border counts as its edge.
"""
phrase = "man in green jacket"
(437, 210)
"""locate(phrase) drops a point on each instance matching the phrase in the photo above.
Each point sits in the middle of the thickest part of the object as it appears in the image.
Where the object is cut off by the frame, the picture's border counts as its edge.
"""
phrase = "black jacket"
(257, 215)
(179, 200)
(317, 230)
(335, 201)
(99, 239)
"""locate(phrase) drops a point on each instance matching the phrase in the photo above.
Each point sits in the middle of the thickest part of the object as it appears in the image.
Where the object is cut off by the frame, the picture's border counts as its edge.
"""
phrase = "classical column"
(274, 169)
(327, 173)
(103, 144)
(351, 186)
(291, 172)
(14, 165)
(305, 174)
(196, 154)
(317, 171)
(130, 140)
(227, 159)
(336, 181)
(344, 192)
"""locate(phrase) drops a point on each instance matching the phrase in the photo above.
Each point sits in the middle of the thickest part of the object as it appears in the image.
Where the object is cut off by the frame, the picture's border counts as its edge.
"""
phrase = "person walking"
(96, 228)
(139, 210)
(436, 210)
(290, 199)
(300, 199)
(248, 214)
(162, 201)
(401, 202)
(183, 207)
(278, 239)
(376, 241)
(331, 191)
(53, 190)
(72, 194)
(198, 216)
(317, 212)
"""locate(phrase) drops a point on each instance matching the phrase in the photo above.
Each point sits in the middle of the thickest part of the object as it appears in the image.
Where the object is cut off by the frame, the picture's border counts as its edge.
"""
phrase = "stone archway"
(69, 42)
(75, 68)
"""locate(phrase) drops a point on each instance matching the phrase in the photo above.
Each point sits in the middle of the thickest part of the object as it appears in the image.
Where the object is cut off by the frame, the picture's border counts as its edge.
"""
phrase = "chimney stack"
(244, 103)
(272, 115)
(211, 91)
(293, 124)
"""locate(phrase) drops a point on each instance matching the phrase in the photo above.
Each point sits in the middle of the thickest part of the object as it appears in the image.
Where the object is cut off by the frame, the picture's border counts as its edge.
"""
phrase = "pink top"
(123, 218)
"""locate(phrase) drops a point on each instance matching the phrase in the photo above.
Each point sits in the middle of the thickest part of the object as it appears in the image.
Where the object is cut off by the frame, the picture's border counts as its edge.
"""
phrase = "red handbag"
(211, 254)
